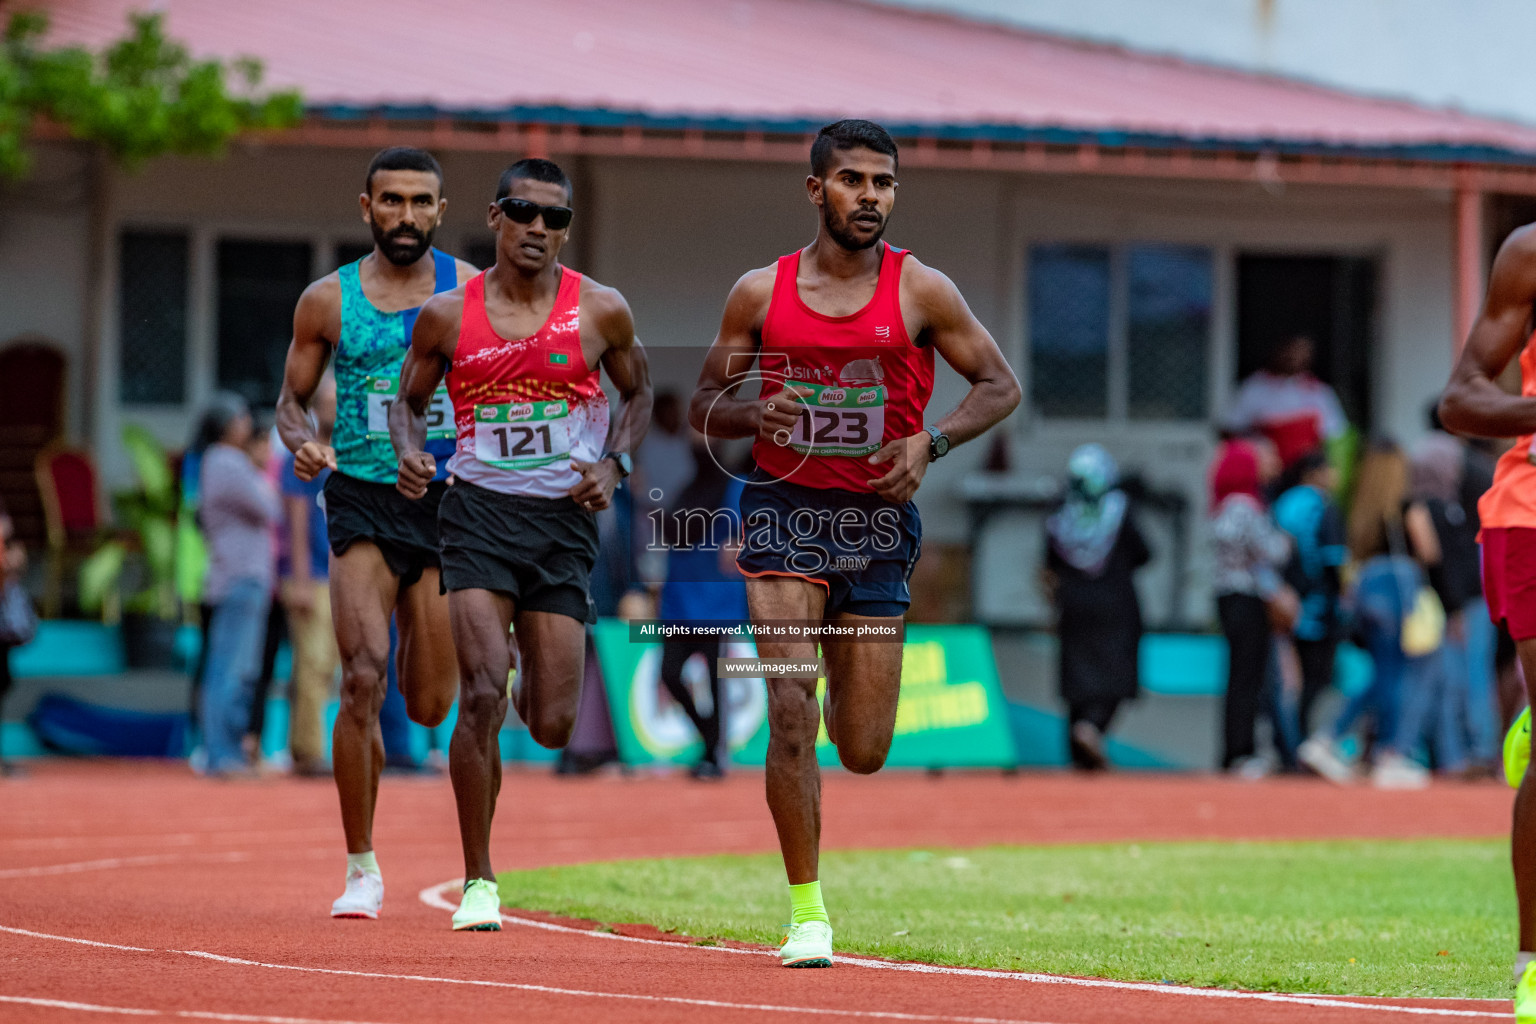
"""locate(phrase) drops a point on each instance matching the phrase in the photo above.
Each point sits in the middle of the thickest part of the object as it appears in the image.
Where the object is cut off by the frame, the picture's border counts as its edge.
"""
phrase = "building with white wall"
(1459, 54)
(1134, 231)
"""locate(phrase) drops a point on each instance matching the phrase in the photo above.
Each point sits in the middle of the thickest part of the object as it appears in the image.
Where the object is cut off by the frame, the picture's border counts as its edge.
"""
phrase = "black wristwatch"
(938, 447)
(622, 460)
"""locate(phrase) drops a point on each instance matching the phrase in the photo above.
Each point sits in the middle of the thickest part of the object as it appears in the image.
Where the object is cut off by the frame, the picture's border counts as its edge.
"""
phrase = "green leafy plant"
(140, 97)
(144, 558)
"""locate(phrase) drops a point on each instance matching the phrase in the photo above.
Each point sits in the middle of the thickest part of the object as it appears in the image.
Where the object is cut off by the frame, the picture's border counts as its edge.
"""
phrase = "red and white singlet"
(870, 384)
(523, 409)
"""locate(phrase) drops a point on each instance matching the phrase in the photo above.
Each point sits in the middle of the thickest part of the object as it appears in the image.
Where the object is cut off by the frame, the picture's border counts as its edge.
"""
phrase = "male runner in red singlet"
(521, 345)
(843, 333)
(383, 548)
(1475, 404)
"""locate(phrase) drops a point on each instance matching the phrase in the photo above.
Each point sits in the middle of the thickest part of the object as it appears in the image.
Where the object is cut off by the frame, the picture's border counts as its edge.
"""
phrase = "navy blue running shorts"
(861, 547)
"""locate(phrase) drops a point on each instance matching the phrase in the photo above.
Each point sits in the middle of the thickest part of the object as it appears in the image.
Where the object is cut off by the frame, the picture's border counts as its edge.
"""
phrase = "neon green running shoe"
(1525, 996)
(480, 909)
(1517, 749)
(808, 944)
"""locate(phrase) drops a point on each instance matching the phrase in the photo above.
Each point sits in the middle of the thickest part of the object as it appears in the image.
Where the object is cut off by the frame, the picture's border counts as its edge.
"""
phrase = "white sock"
(1522, 960)
(366, 861)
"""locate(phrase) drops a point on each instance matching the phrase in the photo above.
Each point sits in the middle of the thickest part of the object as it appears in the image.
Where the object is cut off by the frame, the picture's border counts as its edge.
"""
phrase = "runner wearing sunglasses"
(521, 346)
(842, 335)
(383, 548)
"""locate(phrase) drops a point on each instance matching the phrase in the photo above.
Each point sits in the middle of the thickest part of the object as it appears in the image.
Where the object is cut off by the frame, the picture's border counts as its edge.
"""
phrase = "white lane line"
(716, 1004)
(524, 987)
(273, 836)
(432, 896)
(108, 863)
(66, 938)
(133, 1011)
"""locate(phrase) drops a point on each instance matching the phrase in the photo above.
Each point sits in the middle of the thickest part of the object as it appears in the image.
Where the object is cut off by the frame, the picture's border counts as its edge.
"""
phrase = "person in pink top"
(1288, 405)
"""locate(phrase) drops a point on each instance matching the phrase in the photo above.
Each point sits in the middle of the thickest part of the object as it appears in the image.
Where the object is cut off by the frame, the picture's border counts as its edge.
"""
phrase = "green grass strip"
(1416, 918)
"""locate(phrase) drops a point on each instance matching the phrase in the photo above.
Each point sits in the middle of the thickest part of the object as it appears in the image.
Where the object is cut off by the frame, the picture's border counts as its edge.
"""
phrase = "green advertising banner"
(951, 713)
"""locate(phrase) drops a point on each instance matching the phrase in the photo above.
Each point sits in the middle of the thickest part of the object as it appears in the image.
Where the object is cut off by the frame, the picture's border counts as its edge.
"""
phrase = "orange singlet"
(1508, 515)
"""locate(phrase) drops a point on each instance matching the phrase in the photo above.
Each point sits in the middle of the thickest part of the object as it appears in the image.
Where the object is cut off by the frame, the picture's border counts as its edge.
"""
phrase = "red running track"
(137, 892)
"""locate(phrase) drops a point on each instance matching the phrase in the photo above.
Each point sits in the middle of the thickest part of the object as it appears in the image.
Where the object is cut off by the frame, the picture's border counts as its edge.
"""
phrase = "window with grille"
(259, 285)
(152, 317)
(1069, 330)
(1120, 332)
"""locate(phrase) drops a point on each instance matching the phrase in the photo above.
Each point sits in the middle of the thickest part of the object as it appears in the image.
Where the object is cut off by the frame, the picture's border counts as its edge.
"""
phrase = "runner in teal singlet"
(383, 547)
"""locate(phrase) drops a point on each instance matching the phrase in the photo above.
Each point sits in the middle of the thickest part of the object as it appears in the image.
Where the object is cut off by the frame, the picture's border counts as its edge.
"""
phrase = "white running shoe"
(363, 898)
(1394, 771)
(808, 944)
(1322, 756)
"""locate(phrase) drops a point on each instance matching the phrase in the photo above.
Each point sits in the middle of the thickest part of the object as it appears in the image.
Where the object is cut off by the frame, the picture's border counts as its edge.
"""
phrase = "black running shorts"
(404, 531)
(538, 551)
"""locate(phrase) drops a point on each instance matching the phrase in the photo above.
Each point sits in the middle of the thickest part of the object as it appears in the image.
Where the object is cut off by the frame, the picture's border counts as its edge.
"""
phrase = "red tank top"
(524, 408)
(870, 384)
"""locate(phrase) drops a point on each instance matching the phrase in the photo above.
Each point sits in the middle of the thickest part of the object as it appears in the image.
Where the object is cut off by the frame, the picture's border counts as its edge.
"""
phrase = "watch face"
(941, 444)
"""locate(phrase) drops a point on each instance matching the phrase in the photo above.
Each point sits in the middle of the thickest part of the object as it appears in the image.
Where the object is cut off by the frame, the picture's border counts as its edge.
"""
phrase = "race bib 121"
(522, 435)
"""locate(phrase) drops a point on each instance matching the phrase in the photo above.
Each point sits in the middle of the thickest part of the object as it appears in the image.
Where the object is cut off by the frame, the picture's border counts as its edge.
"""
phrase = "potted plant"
(133, 575)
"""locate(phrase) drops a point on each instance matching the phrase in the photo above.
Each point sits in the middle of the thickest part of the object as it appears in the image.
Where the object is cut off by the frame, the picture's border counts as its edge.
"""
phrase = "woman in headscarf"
(1093, 550)
(1249, 551)
(1461, 719)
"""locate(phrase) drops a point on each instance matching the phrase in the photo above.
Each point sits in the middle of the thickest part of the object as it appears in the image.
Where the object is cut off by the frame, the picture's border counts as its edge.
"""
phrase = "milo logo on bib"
(522, 435)
(382, 392)
(841, 421)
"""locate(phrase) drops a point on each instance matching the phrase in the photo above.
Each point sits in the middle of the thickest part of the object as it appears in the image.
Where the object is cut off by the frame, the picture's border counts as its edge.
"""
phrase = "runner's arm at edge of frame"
(1473, 403)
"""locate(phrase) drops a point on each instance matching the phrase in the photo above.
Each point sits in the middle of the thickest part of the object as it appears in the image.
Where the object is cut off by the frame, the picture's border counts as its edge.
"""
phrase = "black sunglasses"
(521, 211)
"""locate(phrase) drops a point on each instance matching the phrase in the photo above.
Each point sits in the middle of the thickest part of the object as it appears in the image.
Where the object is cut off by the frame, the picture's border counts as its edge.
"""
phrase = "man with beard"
(523, 346)
(384, 555)
(843, 333)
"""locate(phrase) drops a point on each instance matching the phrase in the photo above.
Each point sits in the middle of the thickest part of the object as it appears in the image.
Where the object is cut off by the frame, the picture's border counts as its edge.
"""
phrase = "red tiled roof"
(778, 64)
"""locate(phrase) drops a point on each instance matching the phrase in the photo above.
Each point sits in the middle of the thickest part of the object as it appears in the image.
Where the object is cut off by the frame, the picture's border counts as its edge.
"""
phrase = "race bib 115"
(381, 395)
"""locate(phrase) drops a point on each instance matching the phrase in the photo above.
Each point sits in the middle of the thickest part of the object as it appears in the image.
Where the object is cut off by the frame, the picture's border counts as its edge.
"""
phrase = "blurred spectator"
(264, 441)
(1391, 541)
(1249, 552)
(1093, 550)
(237, 508)
(703, 585)
(18, 620)
(306, 595)
(1476, 633)
(1285, 403)
(1463, 723)
(1305, 510)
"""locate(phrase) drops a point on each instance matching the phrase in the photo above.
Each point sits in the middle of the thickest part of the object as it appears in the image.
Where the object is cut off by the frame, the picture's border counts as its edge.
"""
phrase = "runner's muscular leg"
(794, 718)
(427, 665)
(362, 596)
(1523, 838)
(480, 620)
(553, 649)
(863, 684)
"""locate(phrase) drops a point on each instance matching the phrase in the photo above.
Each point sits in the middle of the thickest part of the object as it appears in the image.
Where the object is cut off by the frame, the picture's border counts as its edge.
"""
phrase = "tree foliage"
(140, 97)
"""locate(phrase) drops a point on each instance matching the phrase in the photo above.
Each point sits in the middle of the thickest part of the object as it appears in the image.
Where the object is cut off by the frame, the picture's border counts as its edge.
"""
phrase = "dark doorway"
(1331, 299)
